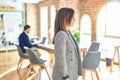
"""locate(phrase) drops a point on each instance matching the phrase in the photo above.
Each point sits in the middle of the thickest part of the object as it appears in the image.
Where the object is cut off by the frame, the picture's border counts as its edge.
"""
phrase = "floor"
(8, 65)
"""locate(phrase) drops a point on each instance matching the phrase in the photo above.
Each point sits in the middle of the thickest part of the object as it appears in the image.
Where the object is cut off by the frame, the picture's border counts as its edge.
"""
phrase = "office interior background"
(96, 20)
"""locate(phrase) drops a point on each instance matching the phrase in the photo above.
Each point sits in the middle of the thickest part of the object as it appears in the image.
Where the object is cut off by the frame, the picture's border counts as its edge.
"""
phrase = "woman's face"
(72, 21)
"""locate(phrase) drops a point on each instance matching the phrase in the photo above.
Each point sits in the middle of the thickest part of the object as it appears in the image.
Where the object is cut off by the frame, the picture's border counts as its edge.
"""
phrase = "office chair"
(35, 62)
(22, 58)
(92, 60)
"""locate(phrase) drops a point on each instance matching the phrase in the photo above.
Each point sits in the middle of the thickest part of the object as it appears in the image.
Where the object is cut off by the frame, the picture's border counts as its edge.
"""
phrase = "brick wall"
(91, 7)
(32, 18)
(71, 4)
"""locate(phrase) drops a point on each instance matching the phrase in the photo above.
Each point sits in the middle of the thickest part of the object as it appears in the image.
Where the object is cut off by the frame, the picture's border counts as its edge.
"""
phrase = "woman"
(67, 55)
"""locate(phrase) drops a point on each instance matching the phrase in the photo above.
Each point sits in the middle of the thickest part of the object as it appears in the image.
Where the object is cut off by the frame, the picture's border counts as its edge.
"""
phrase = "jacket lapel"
(79, 55)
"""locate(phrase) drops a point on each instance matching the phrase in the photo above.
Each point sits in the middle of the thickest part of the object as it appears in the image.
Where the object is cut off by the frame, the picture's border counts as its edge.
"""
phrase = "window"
(108, 20)
(44, 21)
(108, 32)
(52, 17)
(86, 24)
(85, 30)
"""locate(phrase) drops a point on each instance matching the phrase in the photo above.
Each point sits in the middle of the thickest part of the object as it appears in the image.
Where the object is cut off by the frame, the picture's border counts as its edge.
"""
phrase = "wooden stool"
(116, 52)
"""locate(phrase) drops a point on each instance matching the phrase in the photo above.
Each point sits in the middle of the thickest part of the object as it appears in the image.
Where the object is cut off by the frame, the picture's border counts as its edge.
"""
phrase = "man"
(25, 42)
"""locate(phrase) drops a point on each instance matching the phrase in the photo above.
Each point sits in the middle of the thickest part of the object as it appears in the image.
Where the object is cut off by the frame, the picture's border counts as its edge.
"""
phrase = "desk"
(51, 50)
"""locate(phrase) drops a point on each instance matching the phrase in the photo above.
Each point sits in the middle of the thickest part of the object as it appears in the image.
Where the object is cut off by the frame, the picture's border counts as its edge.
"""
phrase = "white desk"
(46, 47)
(50, 49)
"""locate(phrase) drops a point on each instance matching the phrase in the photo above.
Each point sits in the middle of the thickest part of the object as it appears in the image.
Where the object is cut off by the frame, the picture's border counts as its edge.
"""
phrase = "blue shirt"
(25, 42)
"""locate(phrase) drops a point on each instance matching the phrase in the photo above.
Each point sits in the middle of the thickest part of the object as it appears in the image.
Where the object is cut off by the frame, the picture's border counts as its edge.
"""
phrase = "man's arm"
(28, 43)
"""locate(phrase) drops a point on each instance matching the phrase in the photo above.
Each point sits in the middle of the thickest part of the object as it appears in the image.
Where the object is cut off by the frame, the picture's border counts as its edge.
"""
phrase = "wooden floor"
(8, 63)
(9, 60)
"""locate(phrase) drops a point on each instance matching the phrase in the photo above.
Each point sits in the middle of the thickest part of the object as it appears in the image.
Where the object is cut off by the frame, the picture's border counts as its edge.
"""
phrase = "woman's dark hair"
(63, 19)
(26, 27)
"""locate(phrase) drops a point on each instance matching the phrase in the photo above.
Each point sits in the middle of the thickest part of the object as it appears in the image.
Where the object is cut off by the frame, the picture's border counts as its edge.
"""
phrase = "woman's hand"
(67, 79)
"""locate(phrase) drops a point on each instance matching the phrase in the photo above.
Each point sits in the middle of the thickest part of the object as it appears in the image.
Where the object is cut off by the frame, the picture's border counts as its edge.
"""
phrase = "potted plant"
(76, 35)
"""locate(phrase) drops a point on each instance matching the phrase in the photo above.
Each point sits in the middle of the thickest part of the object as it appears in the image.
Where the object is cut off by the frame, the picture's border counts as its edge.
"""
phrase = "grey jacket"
(67, 57)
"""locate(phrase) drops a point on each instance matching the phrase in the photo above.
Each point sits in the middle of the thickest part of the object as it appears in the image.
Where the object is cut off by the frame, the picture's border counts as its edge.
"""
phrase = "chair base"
(37, 69)
(92, 70)
(19, 66)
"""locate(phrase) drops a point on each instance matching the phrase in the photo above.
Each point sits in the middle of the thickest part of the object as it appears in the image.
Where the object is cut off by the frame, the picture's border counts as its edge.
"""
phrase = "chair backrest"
(91, 60)
(33, 58)
(21, 54)
(94, 46)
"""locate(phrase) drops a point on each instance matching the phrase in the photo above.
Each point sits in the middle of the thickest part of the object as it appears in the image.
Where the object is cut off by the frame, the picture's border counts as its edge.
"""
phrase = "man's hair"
(26, 27)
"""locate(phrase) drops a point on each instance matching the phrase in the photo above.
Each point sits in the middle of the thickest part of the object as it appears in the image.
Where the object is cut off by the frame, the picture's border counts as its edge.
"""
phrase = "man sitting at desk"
(25, 42)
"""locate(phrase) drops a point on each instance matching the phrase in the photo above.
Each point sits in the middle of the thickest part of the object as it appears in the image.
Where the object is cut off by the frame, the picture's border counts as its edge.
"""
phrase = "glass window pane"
(52, 17)
(113, 19)
(86, 24)
(85, 30)
(44, 21)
